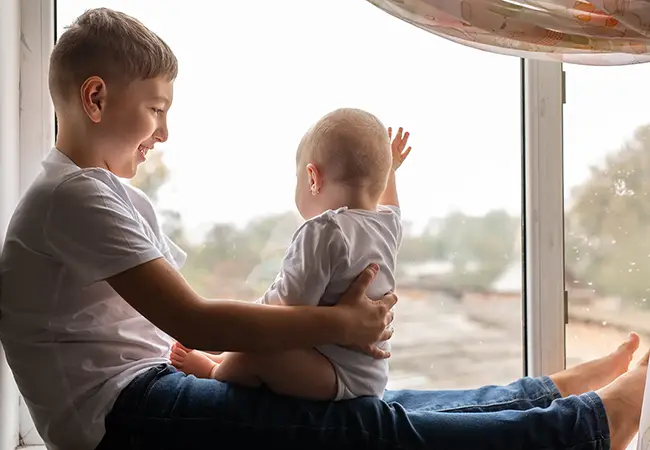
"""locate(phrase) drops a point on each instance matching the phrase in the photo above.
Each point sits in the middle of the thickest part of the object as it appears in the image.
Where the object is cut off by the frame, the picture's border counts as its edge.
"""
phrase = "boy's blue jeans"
(165, 409)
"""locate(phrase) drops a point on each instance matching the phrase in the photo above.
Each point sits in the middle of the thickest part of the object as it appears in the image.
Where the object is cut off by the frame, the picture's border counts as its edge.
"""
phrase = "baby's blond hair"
(349, 146)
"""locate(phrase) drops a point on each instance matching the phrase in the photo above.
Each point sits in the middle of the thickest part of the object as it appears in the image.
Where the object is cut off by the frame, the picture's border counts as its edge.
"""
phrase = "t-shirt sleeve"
(93, 231)
(317, 249)
(178, 254)
(395, 224)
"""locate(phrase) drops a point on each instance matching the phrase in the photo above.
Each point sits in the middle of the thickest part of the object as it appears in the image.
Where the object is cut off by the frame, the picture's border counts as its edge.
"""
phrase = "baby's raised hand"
(398, 145)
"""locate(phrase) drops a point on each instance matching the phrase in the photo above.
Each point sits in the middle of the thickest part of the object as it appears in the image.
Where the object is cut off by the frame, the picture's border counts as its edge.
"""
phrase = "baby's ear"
(313, 173)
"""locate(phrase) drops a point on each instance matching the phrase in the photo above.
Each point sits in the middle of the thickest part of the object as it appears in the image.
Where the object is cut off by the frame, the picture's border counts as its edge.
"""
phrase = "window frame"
(28, 127)
(28, 36)
(545, 302)
(9, 185)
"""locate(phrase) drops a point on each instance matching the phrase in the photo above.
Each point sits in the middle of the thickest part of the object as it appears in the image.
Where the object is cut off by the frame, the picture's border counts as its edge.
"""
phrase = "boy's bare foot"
(623, 399)
(191, 362)
(597, 373)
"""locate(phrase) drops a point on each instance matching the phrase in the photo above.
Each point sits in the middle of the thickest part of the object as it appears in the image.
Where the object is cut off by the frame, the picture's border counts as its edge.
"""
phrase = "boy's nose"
(161, 134)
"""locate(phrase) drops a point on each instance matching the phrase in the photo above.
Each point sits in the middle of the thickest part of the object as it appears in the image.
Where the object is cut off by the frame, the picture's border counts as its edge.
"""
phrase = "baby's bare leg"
(297, 373)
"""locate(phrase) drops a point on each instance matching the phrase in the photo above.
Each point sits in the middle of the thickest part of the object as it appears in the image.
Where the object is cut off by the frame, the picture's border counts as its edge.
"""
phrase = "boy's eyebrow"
(163, 99)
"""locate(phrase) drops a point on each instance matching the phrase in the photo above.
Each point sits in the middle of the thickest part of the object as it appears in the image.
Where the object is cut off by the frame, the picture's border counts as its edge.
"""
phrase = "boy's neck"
(79, 150)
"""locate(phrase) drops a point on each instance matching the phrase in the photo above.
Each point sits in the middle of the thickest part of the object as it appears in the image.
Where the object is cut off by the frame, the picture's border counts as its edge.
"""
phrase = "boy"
(89, 294)
(347, 194)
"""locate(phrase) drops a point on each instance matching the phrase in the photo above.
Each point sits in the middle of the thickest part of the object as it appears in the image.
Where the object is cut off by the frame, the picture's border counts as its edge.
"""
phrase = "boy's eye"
(157, 110)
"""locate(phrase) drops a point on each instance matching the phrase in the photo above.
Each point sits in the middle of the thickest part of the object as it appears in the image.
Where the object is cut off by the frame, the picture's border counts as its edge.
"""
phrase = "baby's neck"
(354, 198)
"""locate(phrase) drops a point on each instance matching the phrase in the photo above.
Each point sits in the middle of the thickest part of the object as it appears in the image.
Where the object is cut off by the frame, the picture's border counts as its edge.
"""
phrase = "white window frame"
(545, 306)
(27, 130)
(9, 186)
(27, 31)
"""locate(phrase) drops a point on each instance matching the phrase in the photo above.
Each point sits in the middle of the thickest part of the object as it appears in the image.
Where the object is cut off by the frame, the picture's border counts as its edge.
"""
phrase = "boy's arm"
(94, 234)
(162, 295)
(316, 249)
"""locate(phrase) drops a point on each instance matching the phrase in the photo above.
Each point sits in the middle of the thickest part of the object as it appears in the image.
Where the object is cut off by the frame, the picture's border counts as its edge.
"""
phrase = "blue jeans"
(165, 409)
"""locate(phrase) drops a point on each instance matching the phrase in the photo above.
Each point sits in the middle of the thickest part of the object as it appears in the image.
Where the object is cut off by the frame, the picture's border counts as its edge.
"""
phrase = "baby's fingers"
(405, 139)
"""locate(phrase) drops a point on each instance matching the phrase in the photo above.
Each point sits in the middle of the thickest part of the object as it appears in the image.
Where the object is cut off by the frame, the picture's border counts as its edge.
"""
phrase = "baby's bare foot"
(597, 373)
(623, 399)
(191, 362)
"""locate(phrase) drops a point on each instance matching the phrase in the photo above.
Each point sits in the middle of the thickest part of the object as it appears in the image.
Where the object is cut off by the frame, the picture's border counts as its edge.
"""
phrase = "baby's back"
(372, 237)
(326, 255)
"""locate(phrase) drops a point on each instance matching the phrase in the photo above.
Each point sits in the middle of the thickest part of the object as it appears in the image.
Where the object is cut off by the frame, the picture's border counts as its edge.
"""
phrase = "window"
(607, 207)
(247, 91)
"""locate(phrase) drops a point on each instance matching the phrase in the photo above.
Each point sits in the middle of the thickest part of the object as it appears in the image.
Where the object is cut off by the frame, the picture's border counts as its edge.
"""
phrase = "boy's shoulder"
(62, 180)
(61, 177)
(67, 191)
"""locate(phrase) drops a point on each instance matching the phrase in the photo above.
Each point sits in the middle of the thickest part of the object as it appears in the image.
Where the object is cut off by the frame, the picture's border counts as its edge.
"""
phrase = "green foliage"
(608, 224)
(480, 248)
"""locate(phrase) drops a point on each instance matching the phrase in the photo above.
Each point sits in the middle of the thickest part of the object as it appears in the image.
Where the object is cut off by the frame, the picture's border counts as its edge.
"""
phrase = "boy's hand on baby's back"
(398, 145)
(366, 321)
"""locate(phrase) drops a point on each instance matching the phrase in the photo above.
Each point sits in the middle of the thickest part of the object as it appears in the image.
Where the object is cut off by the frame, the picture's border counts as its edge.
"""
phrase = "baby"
(347, 194)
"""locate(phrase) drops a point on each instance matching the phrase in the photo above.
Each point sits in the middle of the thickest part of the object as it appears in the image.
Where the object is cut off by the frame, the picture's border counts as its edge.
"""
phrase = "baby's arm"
(306, 270)
(389, 197)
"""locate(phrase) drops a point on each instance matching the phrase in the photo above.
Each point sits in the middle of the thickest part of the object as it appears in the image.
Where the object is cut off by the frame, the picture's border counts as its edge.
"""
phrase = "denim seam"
(548, 388)
(551, 387)
(491, 405)
(596, 403)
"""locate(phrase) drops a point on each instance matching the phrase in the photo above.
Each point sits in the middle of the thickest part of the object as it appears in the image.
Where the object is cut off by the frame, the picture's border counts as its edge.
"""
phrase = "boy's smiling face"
(128, 121)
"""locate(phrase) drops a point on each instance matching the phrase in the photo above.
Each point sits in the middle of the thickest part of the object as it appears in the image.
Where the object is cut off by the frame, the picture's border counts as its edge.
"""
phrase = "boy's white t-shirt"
(327, 253)
(72, 342)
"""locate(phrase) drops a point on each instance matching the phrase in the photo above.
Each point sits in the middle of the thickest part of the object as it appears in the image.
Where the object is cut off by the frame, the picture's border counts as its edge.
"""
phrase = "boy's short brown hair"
(111, 45)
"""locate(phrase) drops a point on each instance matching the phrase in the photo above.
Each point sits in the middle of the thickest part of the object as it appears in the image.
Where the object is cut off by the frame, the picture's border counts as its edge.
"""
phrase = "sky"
(254, 75)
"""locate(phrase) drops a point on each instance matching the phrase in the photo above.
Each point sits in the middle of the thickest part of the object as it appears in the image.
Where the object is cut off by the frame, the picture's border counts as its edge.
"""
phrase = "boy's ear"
(93, 98)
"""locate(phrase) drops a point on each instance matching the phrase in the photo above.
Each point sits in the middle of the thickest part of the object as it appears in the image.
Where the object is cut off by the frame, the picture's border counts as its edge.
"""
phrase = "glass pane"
(607, 207)
(254, 75)
(607, 216)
